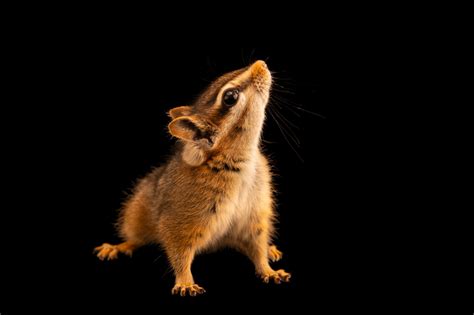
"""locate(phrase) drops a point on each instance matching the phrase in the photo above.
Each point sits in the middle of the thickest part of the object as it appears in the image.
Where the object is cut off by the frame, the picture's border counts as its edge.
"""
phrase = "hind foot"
(110, 252)
(191, 289)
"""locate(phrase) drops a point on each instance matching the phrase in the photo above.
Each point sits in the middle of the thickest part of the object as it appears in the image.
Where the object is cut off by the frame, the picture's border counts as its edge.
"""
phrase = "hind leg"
(256, 245)
(135, 225)
(109, 252)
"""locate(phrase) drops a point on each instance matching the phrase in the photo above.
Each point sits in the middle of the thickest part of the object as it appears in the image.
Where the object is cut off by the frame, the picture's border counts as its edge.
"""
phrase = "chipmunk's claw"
(277, 276)
(184, 289)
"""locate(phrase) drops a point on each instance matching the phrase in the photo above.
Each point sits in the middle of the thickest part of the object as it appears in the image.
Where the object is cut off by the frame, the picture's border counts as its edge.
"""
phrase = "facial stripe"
(209, 97)
(223, 109)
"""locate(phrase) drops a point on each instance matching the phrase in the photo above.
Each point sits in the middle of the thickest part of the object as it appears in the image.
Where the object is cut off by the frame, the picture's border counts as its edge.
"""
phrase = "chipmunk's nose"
(259, 64)
(259, 69)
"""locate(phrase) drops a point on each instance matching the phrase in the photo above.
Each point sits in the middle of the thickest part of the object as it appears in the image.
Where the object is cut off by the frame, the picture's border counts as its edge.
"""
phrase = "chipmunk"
(216, 190)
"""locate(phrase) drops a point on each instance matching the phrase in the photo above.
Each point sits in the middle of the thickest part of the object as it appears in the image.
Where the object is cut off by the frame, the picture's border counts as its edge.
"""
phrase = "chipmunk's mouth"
(261, 77)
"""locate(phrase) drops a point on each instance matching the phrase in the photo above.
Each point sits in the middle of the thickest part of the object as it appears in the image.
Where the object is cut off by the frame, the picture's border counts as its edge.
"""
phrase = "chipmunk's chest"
(236, 205)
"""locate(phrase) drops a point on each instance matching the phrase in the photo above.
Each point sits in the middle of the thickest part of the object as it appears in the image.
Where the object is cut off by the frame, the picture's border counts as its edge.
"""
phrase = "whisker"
(286, 139)
(279, 85)
(290, 137)
(310, 112)
(276, 77)
(277, 102)
(279, 90)
(286, 119)
(296, 106)
(284, 100)
(251, 55)
(267, 141)
(291, 110)
(157, 258)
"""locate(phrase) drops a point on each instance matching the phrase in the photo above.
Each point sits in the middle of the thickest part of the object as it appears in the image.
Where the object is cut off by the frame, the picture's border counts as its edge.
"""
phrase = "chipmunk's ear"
(198, 134)
(180, 111)
(193, 128)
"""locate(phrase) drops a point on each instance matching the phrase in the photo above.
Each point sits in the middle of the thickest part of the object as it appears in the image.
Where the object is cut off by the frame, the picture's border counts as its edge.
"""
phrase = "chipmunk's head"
(228, 115)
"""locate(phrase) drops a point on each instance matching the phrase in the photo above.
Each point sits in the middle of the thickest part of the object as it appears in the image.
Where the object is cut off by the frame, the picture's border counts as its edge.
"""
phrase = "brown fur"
(216, 189)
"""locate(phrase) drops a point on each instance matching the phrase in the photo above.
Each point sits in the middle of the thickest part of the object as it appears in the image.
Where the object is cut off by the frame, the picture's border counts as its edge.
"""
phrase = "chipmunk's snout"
(261, 76)
(259, 65)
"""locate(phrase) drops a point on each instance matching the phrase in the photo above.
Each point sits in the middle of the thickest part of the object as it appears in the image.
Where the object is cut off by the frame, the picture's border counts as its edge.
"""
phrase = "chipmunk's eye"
(231, 97)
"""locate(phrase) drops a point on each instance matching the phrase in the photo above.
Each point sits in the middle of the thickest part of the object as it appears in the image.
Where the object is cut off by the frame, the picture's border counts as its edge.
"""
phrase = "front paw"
(191, 289)
(277, 276)
(274, 254)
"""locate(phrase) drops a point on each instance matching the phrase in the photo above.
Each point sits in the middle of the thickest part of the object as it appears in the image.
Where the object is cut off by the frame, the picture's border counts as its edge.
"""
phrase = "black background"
(93, 120)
